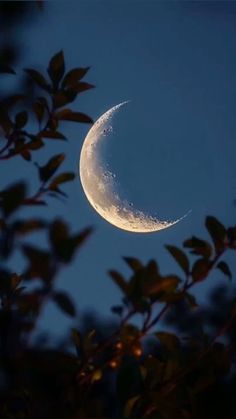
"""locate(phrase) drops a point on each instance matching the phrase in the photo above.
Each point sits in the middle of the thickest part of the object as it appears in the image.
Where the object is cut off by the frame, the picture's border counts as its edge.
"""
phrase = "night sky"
(173, 146)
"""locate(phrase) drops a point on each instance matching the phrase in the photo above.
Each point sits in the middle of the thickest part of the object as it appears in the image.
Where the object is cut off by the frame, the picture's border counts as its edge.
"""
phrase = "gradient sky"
(173, 147)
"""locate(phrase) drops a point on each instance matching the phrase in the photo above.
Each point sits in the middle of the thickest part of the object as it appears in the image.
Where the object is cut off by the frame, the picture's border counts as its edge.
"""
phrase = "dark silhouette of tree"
(178, 363)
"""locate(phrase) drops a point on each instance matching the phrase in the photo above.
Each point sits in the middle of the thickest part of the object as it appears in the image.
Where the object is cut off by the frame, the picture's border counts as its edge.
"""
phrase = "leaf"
(69, 115)
(223, 267)
(180, 257)
(21, 119)
(129, 406)
(171, 368)
(129, 380)
(80, 87)
(117, 310)
(5, 122)
(52, 134)
(15, 280)
(26, 155)
(12, 100)
(35, 144)
(62, 178)
(231, 232)
(96, 376)
(56, 68)
(5, 69)
(39, 110)
(12, 198)
(119, 280)
(64, 303)
(169, 340)
(58, 232)
(61, 98)
(152, 269)
(201, 269)
(133, 263)
(76, 337)
(217, 232)
(199, 246)
(73, 76)
(27, 226)
(40, 263)
(172, 297)
(47, 171)
(164, 284)
(38, 78)
(65, 247)
(191, 299)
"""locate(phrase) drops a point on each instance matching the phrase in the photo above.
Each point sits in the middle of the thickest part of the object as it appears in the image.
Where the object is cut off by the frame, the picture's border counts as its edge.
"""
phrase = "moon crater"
(100, 185)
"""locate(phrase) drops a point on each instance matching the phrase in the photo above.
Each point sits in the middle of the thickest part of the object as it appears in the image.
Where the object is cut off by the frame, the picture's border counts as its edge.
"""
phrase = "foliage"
(129, 371)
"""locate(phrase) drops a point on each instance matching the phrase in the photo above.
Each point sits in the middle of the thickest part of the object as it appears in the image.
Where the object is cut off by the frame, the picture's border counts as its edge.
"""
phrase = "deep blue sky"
(174, 145)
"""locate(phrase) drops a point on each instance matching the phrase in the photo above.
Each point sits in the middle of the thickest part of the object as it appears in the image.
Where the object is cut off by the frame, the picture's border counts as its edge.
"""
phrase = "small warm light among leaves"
(119, 345)
(113, 364)
(137, 351)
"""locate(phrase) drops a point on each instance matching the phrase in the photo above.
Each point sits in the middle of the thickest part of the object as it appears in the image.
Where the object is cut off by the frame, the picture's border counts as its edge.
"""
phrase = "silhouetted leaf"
(117, 310)
(164, 284)
(65, 247)
(199, 246)
(129, 380)
(119, 280)
(78, 240)
(12, 100)
(96, 375)
(68, 115)
(64, 303)
(191, 299)
(6, 69)
(169, 340)
(28, 226)
(58, 232)
(73, 76)
(5, 122)
(60, 98)
(15, 280)
(180, 257)
(39, 111)
(12, 197)
(200, 269)
(133, 263)
(223, 267)
(21, 119)
(52, 134)
(231, 232)
(217, 232)
(172, 297)
(62, 178)
(36, 143)
(26, 154)
(38, 78)
(129, 406)
(56, 68)
(47, 171)
(171, 368)
(40, 263)
(81, 87)
(152, 269)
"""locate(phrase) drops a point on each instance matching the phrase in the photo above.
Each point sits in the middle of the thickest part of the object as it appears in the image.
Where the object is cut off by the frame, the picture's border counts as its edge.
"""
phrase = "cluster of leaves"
(47, 106)
(171, 379)
(133, 371)
(19, 141)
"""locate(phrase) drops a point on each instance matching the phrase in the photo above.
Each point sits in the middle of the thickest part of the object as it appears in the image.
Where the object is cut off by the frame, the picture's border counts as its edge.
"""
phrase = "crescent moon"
(99, 184)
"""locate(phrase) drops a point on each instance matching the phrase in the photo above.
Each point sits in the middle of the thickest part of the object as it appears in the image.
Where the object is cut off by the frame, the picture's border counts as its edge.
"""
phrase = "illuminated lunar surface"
(100, 186)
